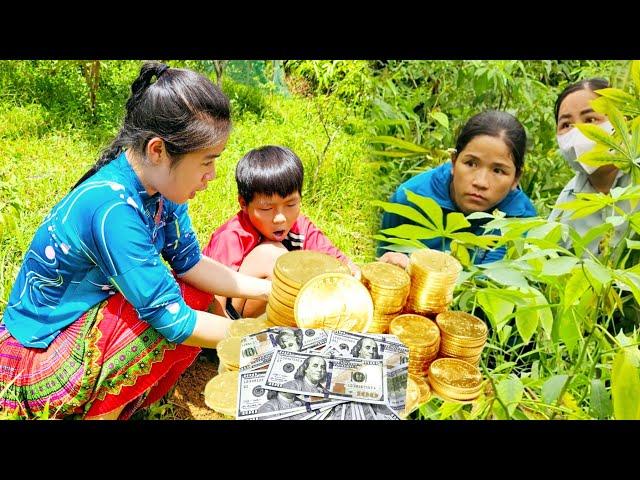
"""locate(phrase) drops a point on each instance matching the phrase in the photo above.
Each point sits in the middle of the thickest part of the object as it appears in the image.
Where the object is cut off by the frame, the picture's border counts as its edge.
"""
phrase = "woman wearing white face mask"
(574, 106)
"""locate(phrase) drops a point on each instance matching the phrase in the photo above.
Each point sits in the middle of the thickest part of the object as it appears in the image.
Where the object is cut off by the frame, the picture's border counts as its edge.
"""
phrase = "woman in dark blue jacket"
(482, 176)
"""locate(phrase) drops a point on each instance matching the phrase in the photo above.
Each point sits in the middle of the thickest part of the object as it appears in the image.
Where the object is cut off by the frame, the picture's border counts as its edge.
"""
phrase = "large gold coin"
(412, 399)
(415, 329)
(335, 301)
(247, 326)
(463, 326)
(456, 374)
(221, 393)
(229, 351)
(300, 266)
(385, 276)
(283, 285)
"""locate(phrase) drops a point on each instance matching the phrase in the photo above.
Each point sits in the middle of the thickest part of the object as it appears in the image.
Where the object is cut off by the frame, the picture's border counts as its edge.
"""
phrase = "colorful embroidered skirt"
(105, 360)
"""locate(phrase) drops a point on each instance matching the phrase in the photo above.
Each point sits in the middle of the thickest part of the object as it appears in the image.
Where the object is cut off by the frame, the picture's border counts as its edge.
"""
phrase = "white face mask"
(573, 144)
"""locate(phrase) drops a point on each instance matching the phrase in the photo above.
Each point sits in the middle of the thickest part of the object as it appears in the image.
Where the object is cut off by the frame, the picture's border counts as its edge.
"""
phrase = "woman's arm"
(208, 331)
(213, 277)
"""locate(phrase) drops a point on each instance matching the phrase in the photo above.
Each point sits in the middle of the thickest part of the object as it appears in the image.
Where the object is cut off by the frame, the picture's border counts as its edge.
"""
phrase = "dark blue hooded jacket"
(435, 184)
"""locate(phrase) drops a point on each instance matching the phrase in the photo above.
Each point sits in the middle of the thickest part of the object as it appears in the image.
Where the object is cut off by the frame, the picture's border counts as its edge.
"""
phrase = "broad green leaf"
(599, 273)
(625, 387)
(441, 118)
(497, 309)
(507, 276)
(615, 94)
(600, 400)
(461, 253)
(395, 153)
(575, 288)
(581, 243)
(542, 309)
(631, 280)
(597, 134)
(411, 232)
(568, 328)
(479, 215)
(620, 125)
(526, 323)
(559, 266)
(399, 241)
(404, 211)
(552, 388)
(633, 244)
(396, 142)
(510, 392)
(635, 138)
(456, 221)
(484, 241)
(597, 158)
(429, 206)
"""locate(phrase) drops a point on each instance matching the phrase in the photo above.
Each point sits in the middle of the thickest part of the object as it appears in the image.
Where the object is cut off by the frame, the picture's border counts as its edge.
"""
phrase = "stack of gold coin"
(228, 350)
(221, 393)
(455, 379)
(389, 287)
(462, 336)
(334, 301)
(421, 336)
(291, 271)
(433, 277)
(247, 326)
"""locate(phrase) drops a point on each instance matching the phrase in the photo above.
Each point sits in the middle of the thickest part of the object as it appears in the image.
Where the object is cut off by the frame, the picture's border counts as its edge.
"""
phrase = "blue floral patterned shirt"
(105, 235)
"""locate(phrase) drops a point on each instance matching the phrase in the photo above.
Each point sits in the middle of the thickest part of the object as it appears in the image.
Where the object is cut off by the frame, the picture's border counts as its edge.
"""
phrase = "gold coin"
(229, 351)
(385, 276)
(283, 285)
(278, 318)
(435, 261)
(300, 266)
(221, 393)
(247, 326)
(462, 326)
(415, 329)
(412, 398)
(456, 374)
(456, 398)
(423, 386)
(336, 301)
(280, 307)
(283, 296)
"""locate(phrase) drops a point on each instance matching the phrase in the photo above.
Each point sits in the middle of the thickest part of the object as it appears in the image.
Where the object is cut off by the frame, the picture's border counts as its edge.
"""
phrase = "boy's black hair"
(269, 170)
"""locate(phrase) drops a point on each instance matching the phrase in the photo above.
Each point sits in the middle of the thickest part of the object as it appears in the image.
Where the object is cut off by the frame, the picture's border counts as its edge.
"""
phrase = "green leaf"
(599, 273)
(600, 400)
(597, 158)
(497, 309)
(625, 387)
(404, 211)
(633, 244)
(441, 118)
(413, 232)
(461, 253)
(400, 241)
(395, 153)
(552, 388)
(510, 392)
(507, 276)
(526, 323)
(635, 137)
(456, 221)
(582, 242)
(575, 288)
(484, 241)
(429, 206)
(396, 142)
(598, 135)
(568, 329)
(635, 75)
(559, 266)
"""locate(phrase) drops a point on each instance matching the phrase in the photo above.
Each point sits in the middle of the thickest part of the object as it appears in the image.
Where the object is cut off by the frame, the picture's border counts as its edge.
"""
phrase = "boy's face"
(273, 215)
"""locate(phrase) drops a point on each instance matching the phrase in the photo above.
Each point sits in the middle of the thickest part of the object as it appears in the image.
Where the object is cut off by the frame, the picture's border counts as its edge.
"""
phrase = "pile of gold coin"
(412, 399)
(291, 271)
(462, 336)
(389, 287)
(455, 379)
(421, 336)
(433, 277)
(228, 350)
(248, 326)
(221, 393)
(334, 301)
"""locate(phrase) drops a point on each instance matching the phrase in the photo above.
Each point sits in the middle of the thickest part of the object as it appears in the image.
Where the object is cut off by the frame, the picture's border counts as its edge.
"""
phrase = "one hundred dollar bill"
(358, 345)
(303, 373)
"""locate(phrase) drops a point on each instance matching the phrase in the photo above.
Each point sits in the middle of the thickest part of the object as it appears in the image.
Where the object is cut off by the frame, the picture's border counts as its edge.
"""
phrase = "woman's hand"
(395, 258)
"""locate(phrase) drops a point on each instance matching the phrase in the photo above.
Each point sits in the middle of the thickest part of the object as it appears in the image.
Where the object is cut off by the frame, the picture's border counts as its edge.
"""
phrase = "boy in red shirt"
(268, 224)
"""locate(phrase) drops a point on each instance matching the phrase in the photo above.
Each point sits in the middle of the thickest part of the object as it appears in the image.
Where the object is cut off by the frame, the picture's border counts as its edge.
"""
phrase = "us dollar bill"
(257, 349)
(396, 382)
(302, 373)
(358, 345)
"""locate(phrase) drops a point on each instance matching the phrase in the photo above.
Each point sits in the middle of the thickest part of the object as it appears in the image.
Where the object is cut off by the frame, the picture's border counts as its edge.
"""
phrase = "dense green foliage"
(361, 127)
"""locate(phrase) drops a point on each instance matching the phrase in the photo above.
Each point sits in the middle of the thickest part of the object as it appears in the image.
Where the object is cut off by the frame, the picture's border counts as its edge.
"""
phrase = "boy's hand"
(395, 258)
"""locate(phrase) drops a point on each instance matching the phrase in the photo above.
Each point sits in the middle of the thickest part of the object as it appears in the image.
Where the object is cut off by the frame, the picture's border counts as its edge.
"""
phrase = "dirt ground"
(188, 396)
